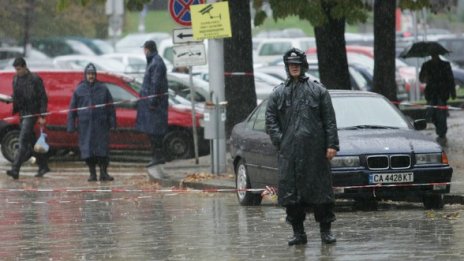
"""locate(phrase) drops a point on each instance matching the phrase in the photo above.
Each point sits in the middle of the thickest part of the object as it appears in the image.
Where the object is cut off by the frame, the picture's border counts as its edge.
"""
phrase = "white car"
(132, 43)
(270, 49)
(79, 62)
(133, 62)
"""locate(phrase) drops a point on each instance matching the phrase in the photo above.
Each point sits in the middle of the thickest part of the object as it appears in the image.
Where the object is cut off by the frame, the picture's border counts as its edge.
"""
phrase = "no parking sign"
(180, 10)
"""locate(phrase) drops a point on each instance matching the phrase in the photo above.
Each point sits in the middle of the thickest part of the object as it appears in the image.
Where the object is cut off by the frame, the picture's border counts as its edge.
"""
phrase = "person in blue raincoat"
(93, 124)
(152, 113)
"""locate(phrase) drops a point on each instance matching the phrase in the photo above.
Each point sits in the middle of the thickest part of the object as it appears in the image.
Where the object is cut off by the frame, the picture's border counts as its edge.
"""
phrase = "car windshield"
(366, 112)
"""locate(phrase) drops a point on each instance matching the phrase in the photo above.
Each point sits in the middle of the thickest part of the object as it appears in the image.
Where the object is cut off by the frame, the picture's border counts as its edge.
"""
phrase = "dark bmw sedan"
(382, 154)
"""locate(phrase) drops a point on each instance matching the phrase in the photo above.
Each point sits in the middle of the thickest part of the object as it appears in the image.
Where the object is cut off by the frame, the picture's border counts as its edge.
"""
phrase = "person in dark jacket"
(440, 85)
(152, 112)
(300, 121)
(93, 124)
(29, 100)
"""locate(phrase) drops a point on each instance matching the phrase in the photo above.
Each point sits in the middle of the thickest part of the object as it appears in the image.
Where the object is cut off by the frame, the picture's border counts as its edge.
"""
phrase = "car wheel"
(242, 182)
(178, 145)
(434, 201)
(10, 144)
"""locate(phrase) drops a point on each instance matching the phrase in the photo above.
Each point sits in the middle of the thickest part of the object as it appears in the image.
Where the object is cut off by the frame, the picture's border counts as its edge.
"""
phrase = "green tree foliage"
(47, 21)
(352, 11)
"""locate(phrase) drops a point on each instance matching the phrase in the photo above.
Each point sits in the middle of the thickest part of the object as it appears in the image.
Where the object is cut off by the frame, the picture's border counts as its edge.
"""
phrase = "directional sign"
(182, 35)
(211, 20)
(180, 10)
(189, 54)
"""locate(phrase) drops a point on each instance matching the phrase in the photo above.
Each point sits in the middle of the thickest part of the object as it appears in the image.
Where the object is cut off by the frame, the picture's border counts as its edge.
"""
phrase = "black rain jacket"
(300, 121)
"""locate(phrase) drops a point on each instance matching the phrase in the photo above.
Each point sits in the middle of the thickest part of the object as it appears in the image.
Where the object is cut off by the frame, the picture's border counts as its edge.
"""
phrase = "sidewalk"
(188, 174)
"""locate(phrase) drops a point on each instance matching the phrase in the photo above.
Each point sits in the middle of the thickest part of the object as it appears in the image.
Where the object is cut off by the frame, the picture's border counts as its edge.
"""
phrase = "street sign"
(189, 54)
(182, 35)
(180, 10)
(211, 21)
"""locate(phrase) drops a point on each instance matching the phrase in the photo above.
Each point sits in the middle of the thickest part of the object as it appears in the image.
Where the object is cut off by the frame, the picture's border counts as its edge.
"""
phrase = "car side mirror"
(420, 124)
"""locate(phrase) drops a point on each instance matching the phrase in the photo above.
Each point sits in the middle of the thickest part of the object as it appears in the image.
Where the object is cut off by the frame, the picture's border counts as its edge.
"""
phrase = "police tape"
(95, 106)
(423, 106)
(208, 190)
(238, 74)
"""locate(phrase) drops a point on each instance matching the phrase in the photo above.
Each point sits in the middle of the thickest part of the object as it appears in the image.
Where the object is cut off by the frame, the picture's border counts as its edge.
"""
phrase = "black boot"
(326, 234)
(158, 158)
(299, 235)
(43, 165)
(93, 173)
(13, 173)
(104, 176)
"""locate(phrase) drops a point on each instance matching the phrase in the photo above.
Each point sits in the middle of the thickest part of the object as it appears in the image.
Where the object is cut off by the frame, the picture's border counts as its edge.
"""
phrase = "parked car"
(56, 46)
(79, 62)
(382, 155)
(98, 46)
(8, 54)
(132, 42)
(133, 62)
(271, 49)
(60, 85)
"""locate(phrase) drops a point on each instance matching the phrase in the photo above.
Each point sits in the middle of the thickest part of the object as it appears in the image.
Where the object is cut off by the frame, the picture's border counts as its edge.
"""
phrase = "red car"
(60, 85)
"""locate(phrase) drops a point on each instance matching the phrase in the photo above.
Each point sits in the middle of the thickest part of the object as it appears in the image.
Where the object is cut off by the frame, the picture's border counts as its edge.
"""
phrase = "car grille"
(379, 162)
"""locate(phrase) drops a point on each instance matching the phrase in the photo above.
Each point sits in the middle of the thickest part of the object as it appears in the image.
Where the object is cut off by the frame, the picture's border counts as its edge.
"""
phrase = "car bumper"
(355, 184)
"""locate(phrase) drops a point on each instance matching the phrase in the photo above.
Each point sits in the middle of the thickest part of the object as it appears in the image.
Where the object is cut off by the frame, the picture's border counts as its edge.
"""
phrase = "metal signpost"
(187, 51)
(212, 21)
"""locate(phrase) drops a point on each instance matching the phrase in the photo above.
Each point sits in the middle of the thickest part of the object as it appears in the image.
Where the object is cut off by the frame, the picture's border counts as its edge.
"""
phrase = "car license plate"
(380, 178)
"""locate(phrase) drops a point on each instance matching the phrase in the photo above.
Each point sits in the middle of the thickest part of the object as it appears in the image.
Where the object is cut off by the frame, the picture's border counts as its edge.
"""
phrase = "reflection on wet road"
(201, 226)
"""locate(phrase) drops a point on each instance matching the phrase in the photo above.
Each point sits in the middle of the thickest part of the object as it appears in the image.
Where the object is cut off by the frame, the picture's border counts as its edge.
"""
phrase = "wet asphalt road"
(199, 226)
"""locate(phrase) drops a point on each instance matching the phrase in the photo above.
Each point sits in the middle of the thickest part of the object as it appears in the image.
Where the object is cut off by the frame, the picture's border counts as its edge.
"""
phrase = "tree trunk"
(331, 52)
(384, 48)
(239, 89)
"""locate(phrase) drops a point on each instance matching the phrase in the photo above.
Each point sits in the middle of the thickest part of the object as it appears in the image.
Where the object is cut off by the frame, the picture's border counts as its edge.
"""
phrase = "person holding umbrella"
(439, 80)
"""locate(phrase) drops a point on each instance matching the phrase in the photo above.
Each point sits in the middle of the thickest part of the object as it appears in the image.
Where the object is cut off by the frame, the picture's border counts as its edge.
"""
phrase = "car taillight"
(444, 158)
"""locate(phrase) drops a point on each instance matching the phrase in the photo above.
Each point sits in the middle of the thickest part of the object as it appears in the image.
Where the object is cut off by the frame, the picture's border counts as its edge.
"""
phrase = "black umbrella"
(423, 49)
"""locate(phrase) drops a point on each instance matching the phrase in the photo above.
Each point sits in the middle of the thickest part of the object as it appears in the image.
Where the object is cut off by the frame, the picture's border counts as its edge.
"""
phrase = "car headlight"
(345, 162)
(428, 158)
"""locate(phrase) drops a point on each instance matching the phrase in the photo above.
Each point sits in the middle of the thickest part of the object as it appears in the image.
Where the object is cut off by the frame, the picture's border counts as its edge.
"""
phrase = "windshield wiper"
(367, 127)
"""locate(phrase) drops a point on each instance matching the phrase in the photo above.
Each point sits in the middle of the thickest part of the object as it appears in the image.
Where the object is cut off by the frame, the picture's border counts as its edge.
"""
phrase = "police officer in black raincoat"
(93, 124)
(300, 121)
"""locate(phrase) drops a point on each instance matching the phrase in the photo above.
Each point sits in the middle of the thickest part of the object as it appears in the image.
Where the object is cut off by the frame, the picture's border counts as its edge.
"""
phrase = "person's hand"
(330, 153)
(42, 121)
(270, 192)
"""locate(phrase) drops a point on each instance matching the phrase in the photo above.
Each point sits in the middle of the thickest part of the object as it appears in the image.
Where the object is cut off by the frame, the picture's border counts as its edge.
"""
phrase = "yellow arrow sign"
(210, 21)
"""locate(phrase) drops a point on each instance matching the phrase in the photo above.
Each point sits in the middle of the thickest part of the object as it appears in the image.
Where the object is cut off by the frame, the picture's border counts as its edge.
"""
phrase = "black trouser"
(27, 140)
(438, 116)
(323, 213)
(156, 141)
(93, 161)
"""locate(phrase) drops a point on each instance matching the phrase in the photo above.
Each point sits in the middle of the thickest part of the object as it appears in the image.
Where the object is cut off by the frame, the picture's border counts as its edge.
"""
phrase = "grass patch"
(155, 21)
